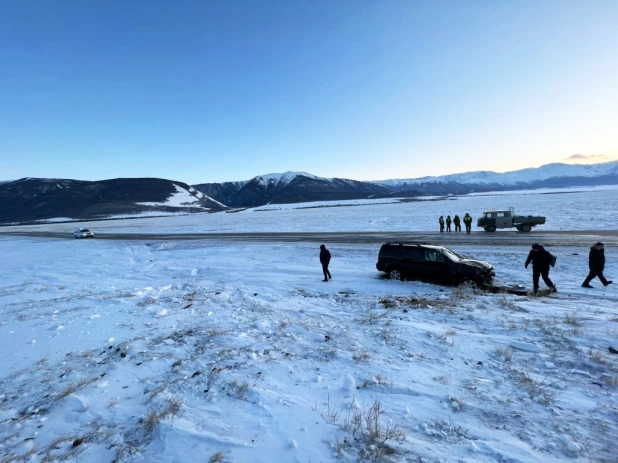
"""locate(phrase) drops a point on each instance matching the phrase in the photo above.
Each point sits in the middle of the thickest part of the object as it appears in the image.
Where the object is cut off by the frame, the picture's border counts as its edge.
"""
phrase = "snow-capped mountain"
(32, 199)
(288, 187)
(291, 187)
(556, 174)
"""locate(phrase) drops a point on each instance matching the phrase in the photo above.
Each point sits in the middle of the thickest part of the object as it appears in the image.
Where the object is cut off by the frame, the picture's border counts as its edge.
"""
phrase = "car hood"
(477, 263)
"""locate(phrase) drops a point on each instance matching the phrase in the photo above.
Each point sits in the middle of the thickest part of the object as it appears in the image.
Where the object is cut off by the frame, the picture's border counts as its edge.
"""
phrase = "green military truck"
(492, 220)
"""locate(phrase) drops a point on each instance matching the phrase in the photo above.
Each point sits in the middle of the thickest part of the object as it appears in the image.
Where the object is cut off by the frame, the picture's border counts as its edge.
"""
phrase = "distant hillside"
(289, 187)
(292, 187)
(31, 199)
(556, 175)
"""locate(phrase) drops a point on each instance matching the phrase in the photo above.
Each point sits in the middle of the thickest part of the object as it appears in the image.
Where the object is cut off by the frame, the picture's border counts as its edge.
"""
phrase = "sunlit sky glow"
(209, 91)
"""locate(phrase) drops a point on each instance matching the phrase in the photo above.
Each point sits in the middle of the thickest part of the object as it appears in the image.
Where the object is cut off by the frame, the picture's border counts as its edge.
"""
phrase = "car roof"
(425, 245)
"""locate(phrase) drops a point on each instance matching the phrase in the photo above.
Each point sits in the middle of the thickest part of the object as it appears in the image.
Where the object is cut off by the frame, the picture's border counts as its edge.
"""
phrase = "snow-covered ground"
(565, 209)
(202, 351)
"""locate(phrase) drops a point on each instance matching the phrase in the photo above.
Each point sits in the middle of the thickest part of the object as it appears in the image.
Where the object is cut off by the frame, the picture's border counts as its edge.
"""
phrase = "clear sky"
(209, 91)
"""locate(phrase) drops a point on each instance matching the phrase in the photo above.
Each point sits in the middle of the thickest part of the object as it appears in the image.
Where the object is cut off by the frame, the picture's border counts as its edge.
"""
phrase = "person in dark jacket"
(541, 260)
(325, 260)
(441, 221)
(468, 222)
(457, 223)
(596, 263)
(448, 223)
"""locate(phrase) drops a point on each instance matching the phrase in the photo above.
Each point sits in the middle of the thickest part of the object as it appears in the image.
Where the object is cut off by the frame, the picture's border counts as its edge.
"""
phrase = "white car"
(83, 233)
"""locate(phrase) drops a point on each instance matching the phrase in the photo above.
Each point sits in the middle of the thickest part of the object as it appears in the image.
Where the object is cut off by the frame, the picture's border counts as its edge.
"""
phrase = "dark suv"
(427, 262)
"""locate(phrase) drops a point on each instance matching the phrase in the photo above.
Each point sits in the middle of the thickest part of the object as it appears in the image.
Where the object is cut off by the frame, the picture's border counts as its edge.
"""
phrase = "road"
(500, 238)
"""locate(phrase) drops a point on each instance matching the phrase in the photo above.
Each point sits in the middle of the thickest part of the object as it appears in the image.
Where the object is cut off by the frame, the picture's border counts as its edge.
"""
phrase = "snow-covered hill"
(514, 178)
(36, 199)
(288, 187)
(291, 187)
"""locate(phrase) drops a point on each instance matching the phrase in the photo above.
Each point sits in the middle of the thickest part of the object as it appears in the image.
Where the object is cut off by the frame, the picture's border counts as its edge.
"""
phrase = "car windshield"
(451, 255)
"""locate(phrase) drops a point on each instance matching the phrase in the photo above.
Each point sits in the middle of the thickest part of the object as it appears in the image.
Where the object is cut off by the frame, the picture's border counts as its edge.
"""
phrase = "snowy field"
(206, 352)
(565, 209)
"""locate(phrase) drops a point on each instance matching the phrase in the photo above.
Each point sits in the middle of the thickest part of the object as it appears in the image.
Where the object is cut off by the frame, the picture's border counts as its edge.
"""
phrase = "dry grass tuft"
(611, 381)
(169, 408)
(538, 389)
(387, 335)
(505, 354)
(239, 389)
(378, 380)
(597, 356)
(508, 303)
(360, 355)
(570, 319)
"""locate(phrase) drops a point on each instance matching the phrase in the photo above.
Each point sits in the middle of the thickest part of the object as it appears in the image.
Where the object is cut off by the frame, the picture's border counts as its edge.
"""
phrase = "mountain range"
(292, 187)
(289, 187)
(33, 199)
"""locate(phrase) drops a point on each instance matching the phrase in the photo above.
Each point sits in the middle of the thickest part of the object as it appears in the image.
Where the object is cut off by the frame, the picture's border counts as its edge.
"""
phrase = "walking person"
(596, 263)
(448, 223)
(541, 260)
(468, 223)
(457, 223)
(325, 260)
(441, 221)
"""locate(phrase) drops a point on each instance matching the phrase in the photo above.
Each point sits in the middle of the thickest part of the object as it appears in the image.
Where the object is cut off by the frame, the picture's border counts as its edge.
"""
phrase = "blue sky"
(209, 91)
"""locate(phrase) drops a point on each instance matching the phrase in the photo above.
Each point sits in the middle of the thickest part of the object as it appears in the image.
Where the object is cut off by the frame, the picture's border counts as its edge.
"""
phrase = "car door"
(503, 219)
(436, 266)
(412, 261)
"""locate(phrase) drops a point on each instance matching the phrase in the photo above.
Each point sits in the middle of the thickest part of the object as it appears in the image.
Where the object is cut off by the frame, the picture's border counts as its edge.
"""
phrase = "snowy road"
(502, 238)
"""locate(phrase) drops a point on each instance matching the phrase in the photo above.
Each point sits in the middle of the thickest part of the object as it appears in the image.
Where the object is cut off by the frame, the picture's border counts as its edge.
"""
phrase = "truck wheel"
(526, 228)
(490, 228)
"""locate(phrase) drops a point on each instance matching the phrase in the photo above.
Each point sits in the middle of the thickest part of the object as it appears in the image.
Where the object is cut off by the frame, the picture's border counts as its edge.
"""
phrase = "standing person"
(448, 223)
(540, 259)
(441, 221)
(468, 222)
(457, 223)
(325, 260)
(596, 263)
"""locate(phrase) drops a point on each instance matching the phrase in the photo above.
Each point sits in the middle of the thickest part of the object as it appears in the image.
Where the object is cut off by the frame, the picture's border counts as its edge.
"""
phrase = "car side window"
(412, 253)
(389, 252)
(433, 256)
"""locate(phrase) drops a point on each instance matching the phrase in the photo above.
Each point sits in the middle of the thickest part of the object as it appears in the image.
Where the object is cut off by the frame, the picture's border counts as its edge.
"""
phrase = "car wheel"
(490, 228)
(395, 274)
(526, 228)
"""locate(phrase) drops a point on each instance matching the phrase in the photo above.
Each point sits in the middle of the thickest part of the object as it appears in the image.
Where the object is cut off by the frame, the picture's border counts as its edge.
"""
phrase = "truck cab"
(496, 219)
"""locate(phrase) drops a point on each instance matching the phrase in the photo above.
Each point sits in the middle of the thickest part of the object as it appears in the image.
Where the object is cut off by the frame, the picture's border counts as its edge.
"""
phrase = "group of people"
(542, 259)
(467, 220)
